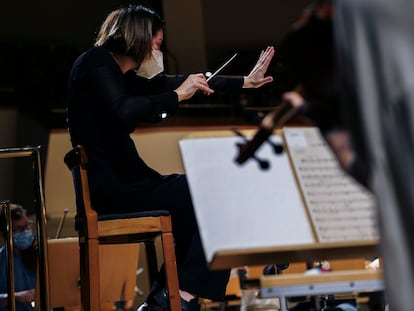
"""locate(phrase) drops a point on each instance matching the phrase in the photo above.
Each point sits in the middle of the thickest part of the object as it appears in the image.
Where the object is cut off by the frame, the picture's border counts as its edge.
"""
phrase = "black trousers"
(172, 193)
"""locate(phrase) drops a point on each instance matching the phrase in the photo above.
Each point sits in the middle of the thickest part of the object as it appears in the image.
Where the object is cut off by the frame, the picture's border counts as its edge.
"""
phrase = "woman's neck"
(126, 63)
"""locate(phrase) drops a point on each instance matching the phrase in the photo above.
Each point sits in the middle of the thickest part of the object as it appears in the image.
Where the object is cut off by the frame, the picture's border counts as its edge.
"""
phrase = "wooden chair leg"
(152, 263)
(90, 276)
(171, 271)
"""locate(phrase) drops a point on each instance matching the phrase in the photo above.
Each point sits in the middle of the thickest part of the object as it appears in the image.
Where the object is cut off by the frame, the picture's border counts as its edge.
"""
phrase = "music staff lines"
(339, 208)
(346, 210)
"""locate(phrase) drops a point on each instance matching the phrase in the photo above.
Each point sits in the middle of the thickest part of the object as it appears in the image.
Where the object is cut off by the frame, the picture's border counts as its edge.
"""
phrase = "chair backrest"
(86, 219)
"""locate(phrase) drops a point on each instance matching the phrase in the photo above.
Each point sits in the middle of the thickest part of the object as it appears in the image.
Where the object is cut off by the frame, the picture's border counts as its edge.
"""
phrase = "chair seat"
(156, 213)
(103, 217)
(136, 228)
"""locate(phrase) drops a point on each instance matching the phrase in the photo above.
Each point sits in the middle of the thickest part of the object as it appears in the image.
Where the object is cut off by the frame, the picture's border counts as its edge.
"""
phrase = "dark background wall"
(229, 24)
(71, 23)
(39, 41)
(213, 27)
(247, 26)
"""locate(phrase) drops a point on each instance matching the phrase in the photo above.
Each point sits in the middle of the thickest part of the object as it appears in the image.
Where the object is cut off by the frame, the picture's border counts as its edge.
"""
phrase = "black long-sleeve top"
(105, 106)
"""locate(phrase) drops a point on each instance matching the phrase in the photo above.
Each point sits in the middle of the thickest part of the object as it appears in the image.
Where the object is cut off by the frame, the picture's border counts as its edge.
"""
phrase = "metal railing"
(41, 229)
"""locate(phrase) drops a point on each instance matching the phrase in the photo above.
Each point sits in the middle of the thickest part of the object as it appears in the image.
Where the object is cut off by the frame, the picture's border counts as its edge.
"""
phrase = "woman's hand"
(256, 77)
(26, 296)
(191, 85)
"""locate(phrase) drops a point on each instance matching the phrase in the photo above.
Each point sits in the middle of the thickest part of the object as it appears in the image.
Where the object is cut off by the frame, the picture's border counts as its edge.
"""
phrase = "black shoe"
(149, 307)
(143, 307)
(192, 305)
(160, 302)
(157, 301)
(161, 299)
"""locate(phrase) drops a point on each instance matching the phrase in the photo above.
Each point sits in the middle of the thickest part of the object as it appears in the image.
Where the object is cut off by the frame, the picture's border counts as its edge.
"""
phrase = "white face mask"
(151, 66)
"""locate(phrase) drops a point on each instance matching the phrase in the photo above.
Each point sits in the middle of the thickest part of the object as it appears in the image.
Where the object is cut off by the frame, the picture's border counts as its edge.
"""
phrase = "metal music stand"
(40, 212)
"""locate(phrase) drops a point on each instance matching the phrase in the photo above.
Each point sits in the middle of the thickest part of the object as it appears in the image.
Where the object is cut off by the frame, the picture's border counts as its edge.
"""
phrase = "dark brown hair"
(17, 212)
(129, 30)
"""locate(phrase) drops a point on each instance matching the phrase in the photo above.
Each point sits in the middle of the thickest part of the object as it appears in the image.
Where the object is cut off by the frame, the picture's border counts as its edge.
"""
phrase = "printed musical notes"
(339, 208)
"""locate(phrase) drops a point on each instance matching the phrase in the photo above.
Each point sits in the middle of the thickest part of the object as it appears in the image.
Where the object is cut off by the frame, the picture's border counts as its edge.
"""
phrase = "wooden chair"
(94, 229)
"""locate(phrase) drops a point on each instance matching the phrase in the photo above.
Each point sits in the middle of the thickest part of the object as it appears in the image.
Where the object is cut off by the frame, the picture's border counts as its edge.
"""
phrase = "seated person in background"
(24, 271)
(106, 100)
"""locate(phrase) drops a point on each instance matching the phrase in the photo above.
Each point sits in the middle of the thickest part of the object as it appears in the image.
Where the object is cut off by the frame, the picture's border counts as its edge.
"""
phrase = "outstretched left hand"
(256, 77)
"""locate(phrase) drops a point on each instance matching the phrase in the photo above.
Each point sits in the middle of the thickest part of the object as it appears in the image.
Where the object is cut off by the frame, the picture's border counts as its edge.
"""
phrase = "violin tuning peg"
(278, 148)
(264, 164)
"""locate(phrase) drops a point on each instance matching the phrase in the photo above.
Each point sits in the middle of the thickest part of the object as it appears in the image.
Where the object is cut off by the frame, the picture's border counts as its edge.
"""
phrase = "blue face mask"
(23, 240)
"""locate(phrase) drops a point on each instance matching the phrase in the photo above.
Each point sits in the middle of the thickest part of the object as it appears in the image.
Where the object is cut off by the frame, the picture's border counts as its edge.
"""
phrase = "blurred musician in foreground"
(309, 54)
(24, 268)
(374, 51)
(114, 86)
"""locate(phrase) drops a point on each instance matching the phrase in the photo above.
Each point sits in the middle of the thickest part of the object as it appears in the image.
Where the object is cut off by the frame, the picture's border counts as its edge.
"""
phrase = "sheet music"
(340, 209)
(243, 207)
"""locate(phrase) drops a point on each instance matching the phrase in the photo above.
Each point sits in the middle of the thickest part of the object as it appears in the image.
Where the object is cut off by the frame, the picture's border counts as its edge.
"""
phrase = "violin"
(274, 119)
